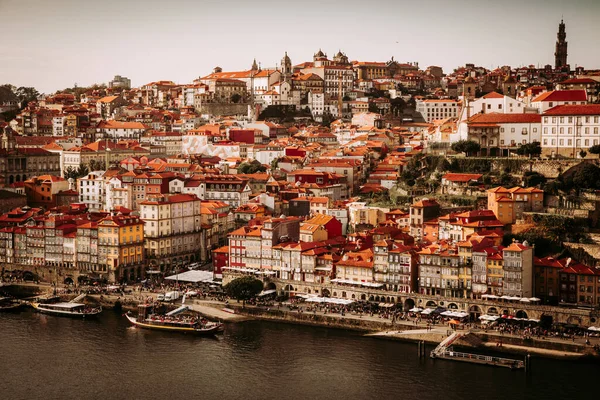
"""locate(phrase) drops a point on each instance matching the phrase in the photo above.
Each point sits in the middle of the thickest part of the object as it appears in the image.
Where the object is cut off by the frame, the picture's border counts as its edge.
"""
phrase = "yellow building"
(495, 273)
(120, 247)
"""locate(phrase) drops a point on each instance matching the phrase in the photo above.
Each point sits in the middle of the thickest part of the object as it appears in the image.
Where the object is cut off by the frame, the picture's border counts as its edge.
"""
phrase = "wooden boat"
(78, 310)
(171, 323)
(8, 304)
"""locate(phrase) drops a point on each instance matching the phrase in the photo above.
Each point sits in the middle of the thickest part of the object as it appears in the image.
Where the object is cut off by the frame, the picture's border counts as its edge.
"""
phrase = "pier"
(444, 351)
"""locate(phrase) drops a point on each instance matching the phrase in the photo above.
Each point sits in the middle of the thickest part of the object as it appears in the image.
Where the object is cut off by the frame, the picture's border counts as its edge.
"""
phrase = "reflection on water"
(46, 357)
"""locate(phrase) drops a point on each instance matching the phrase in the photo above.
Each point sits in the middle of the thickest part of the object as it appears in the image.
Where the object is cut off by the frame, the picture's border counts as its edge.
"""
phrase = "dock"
(444, 351)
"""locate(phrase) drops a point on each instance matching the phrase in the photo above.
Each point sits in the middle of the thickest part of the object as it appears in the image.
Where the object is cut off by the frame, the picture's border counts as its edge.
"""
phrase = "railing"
(484, 359)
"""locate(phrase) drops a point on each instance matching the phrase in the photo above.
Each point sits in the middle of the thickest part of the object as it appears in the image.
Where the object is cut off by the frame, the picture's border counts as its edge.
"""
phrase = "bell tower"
(560, 54)
(286, 66)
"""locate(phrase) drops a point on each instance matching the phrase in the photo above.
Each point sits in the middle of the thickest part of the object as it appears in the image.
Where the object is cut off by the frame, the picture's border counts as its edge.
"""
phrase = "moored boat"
(8, 304)
(146, 319)
(79, 310)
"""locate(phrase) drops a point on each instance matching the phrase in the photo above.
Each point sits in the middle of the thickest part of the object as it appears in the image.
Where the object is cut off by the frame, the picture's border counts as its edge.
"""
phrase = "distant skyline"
(54, 44)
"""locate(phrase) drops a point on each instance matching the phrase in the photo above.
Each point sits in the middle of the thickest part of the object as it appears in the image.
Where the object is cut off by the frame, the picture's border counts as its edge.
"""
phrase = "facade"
(172, 230)
(498, 134)
(120, 248)
(438, 109)
(509, 204)
(569, 129)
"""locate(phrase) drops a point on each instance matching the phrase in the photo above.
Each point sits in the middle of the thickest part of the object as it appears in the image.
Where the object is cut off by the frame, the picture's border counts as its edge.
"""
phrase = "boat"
(172, 322)
(9, 304)
(63, 309)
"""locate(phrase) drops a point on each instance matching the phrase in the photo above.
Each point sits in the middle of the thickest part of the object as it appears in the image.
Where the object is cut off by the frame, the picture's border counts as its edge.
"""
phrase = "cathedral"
(560, 54)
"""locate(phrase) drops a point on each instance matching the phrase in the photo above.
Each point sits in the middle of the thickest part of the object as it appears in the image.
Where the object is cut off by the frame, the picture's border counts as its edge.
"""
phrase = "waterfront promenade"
(374, 325)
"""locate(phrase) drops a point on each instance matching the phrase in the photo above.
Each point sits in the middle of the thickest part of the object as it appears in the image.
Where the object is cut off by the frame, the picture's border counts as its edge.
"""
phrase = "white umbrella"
(484, 296)
(524, 300)
(534, 299)
(427, 311)
(415, 309)
(492, 296)
(505, 297)
(515, 298)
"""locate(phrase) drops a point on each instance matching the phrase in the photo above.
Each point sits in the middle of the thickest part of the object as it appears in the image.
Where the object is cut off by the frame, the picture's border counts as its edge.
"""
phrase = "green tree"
(595, 149)
(466, 146)
(532, 149)
(582, 153)
(243, 288)
(72, 172)
(236, 97)
(533, 179)
(587, 177)
(251, 167)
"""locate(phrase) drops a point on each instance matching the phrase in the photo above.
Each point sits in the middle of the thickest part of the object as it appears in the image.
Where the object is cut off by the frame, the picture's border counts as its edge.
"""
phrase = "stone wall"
(405, 301)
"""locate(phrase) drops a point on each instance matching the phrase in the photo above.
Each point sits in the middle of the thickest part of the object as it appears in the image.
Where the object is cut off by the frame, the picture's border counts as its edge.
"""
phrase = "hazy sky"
(52, 44)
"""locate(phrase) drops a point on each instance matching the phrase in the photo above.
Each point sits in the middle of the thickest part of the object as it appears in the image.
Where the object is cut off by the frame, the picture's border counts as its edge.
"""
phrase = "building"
(42, 191)
(499, 134)
(546, 100)
(517, 270)
(509, 204)
(120, 82)
(560, 53)
(421, 212)
(19, 164)
(569, 129)
(172, 230)
(120, 248)
(434, 109)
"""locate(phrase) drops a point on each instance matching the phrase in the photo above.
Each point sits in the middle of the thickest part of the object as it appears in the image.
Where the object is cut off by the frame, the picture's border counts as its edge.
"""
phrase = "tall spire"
(560, 54)
(254, 66)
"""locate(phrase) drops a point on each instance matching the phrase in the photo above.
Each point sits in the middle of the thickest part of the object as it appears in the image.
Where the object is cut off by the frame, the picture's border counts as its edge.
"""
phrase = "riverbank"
(371, 325)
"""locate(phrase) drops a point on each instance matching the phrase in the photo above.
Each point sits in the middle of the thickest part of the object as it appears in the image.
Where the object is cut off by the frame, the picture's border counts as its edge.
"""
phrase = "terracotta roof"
(586, 109)
(562, 95)
(496, 118)
(461, 177)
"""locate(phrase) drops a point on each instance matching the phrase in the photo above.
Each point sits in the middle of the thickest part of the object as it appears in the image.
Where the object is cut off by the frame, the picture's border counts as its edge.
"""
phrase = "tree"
(466, 146)
(582, 153)
(243, 288)
(79, 172)
(533, 179)
(530, 149)
(251, 167)
(587, 177)
(595, 149)
(236, 97)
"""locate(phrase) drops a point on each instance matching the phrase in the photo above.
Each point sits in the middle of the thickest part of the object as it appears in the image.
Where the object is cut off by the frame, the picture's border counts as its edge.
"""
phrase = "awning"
(386, 305)
(153, 272)
(193, 276)
(331, 300)
(266, 292)
(427, 311)
(415, 309)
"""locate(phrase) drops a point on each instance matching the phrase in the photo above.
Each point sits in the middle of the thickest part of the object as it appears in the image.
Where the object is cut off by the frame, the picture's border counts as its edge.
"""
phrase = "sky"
(53, 44)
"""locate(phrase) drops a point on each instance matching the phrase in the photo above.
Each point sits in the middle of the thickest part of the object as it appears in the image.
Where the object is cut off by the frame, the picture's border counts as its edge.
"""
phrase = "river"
(46, 357)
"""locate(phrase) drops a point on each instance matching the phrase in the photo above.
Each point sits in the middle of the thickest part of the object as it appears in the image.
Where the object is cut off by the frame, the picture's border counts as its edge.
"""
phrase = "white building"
(433, 109)
(568, 129)
(92, 191)
(497, 134)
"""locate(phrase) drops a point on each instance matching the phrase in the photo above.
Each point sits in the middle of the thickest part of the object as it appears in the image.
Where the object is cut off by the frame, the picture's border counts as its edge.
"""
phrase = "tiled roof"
(586, 109)
(562, 95)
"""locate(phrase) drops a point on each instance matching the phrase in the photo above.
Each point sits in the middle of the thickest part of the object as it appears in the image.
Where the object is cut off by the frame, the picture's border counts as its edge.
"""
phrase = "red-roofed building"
(453, 183)
(421, 212)
(42, 191)
(569, 129)
(547, 100)
(497, 133)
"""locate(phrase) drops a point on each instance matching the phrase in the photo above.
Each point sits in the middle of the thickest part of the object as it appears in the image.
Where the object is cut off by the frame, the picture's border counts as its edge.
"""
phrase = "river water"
(45, 357)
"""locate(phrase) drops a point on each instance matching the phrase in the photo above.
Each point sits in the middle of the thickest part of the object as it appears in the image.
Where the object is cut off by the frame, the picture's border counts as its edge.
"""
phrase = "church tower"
(286, 66)
(560, 55)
